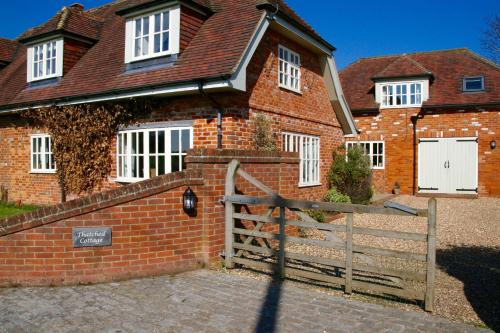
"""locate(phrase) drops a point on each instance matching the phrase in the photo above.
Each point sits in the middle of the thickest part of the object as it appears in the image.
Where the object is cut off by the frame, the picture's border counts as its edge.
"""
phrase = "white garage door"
(448, 165)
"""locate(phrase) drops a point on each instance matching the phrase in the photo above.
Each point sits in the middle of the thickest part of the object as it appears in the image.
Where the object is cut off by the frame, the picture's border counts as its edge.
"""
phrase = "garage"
(448, 165)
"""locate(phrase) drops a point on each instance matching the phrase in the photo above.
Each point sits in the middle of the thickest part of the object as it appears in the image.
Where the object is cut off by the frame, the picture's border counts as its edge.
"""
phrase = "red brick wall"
(151, 234)
(395, 128)
(309, 113)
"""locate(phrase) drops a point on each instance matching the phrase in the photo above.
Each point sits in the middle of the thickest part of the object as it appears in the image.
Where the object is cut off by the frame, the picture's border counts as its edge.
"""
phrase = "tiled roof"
(7, 49)
(403, 66)
(68, 19)
(448, 68)
(214, 52)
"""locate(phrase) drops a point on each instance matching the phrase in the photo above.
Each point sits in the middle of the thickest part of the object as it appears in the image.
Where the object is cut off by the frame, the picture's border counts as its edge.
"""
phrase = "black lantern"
(189, 201)
(493, 144)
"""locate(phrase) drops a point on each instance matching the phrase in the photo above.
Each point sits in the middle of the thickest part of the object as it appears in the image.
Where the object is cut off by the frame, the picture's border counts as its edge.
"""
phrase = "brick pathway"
(201, 301)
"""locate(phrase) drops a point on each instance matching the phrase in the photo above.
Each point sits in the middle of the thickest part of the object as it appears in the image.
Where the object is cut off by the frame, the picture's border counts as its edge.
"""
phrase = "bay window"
(308, 147)
(42, 159)
(147, 153)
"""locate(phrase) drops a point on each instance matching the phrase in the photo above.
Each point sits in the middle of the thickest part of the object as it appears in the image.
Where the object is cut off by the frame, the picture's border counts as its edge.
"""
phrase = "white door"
(448, 165)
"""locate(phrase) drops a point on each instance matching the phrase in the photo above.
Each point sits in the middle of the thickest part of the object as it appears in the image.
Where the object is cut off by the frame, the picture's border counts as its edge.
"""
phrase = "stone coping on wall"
(219, 156)
(99, 201)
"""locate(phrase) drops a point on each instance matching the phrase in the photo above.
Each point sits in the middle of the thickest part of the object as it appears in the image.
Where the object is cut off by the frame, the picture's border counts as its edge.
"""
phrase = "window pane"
(161, 165)
(138, 49)
(165, 41)
(152, 166)
(157, 22)
(145, 45)
(157, 43)
(161, 142)
(473, 84)
(152, 143)
(174, 142)
(166, 21)
(141, 143)
(186, 140)
(141, 166)
(145, 26)
(134, 143)
(138, 28)
(175, 163)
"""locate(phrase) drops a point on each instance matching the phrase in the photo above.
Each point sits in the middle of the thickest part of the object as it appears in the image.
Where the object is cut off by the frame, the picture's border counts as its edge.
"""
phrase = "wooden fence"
(255, 248)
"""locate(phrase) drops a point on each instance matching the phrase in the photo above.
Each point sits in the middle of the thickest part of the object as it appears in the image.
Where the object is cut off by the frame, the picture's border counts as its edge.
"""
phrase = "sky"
(356, 28)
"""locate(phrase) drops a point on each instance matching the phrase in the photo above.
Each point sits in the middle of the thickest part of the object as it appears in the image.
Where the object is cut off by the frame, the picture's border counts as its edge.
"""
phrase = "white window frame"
(53, 44)
(174, 13)
(289, 69)
(371, 153)
(124, 158)
(403, 91)
(464, 83)
(43, 154)
(310, 160)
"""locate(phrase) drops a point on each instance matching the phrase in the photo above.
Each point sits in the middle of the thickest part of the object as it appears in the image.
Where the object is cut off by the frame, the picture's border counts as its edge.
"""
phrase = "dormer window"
(398, 94)
(45, 60)
(152, 34)
(475, 83)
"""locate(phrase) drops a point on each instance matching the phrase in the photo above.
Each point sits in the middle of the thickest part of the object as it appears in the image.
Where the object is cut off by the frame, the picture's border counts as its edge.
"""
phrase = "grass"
(10, 209)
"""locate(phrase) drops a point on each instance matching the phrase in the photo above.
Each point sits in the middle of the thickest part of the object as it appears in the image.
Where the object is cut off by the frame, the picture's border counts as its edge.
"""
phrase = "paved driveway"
(201, 301)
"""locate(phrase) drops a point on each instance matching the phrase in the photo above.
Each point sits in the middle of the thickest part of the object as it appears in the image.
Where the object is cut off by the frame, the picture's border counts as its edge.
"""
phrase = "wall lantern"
(493, 144)
(189, 201)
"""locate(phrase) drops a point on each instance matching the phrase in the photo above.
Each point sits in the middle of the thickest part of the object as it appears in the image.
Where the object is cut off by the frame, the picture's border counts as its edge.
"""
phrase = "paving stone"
(201, 302)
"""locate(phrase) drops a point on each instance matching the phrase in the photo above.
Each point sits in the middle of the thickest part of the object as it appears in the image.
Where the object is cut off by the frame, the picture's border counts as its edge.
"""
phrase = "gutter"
(182, 87)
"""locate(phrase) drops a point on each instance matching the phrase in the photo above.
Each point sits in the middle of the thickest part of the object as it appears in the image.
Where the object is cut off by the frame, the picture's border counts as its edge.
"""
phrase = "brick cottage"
(215, 65)
(429, 121)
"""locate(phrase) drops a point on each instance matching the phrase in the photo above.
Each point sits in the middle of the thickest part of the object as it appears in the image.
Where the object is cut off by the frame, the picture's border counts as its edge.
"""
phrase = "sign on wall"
(91, 237)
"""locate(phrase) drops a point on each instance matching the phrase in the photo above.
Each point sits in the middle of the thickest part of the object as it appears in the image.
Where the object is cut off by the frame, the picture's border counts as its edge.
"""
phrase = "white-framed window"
(475, 83)
(147, 153)
(45, 60)
(375, 150)
(402, 94)
(42, 159)
(152, 34)
(289, 69)
(308, 147)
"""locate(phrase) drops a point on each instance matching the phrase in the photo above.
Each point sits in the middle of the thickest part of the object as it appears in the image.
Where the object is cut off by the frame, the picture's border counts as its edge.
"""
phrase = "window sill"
(309, 185)
(400, 106)
(43, 172)
(129, 180)
(288, 89)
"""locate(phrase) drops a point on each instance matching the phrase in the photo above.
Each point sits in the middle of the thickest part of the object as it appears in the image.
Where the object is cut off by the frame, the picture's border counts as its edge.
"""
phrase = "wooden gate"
(267, 240)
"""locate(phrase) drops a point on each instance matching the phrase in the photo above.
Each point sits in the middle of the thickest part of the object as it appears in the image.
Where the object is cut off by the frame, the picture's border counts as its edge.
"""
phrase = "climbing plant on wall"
(82, 137)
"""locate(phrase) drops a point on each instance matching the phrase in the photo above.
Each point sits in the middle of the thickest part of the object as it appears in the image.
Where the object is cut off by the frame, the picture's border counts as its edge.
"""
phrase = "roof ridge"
(65, 14)
(414, 53)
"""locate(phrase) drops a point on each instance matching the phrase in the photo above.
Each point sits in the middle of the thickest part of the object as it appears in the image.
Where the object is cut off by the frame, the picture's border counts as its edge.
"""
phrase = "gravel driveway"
(468, 256)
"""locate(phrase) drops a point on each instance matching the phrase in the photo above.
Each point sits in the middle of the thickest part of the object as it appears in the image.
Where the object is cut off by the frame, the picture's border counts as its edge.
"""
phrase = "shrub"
(351, 174)
(263, 137)
(335, 196)
(318, 215)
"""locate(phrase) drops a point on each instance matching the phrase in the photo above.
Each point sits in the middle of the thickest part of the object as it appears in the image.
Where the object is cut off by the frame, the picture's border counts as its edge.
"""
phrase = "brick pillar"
(278, 170)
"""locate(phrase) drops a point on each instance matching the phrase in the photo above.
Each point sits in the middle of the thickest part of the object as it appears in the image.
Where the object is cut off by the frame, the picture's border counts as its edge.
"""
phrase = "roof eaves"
(276, 11)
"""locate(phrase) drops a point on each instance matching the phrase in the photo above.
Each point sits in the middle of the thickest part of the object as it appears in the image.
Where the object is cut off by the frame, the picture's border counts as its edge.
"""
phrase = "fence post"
(281, 259)
(349, 253)
(431, 255)
(229, 213)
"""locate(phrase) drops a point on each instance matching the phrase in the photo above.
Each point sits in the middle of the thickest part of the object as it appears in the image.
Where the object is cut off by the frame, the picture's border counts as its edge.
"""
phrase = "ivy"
(82, 137)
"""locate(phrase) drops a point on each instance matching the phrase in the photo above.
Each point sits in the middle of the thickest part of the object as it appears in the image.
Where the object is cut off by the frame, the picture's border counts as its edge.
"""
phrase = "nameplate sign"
(91, 237)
